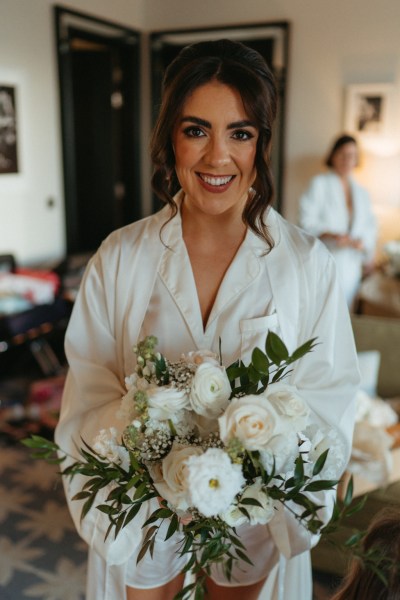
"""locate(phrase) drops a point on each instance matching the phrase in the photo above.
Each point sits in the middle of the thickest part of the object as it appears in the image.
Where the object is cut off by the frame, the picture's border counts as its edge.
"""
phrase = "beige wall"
(28, 227)
(332, 44)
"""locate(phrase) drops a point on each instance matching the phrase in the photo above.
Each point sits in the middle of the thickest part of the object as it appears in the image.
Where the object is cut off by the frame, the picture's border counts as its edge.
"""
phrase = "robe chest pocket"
(254, 333)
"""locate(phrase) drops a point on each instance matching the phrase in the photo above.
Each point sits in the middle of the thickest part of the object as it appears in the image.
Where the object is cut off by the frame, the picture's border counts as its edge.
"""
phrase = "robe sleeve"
(91, 400)
(311, 214)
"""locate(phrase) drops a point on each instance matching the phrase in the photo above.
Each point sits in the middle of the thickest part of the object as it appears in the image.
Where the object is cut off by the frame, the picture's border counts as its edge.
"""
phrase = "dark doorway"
(271, 40)
(99, 87)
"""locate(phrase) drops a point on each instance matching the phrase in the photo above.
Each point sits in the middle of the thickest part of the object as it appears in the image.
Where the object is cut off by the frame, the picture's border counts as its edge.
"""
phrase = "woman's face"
(215, 146)
(345, 159)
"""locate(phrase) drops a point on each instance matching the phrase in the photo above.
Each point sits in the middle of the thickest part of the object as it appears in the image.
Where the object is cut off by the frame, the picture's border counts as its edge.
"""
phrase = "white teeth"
(216, 180)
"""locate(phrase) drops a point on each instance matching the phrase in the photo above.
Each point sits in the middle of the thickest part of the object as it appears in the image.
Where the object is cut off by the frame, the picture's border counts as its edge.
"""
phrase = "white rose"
(174, 486)
(288, 403)
(166, 403)
(200, 356)
(259, 515)
(214, 481)
(284, 449)
(252, 420)
(210, 391)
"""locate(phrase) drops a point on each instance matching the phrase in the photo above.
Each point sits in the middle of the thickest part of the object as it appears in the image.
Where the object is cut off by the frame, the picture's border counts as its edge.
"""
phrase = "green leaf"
(260, 361)
(87, 506)
(354, 539)
(275, 348)
(199, 592)
(132, 513)
(251, 502)
(254, 375)
(143, 551)
(140, 491)
(323, 484)
(107, 509)
(349, 492)
(185, 592)
(279, 374)
(302, 350)
(37, 441)
(243, 556)
(320, 462)
(299, 471)
(173, 526)
(82, 495)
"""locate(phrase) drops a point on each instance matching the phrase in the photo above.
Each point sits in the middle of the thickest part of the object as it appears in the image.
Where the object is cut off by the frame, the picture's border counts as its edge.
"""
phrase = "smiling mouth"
(216, 181)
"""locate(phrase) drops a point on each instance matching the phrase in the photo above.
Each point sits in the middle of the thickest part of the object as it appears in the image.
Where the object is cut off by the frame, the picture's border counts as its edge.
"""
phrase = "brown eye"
(193, 132)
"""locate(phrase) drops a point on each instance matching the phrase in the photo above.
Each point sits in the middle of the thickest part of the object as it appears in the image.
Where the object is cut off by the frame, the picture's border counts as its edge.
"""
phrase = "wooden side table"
(379, 295)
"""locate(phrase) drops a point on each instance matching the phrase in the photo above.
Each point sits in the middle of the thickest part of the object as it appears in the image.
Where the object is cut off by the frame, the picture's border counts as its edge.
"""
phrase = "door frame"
(68, 20)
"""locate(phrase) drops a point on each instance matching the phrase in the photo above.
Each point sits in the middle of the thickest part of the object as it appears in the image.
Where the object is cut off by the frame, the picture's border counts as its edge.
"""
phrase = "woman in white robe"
(192, 286)
(338, 210)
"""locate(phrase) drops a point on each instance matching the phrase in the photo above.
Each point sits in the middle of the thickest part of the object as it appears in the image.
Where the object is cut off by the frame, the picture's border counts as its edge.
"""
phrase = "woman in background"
(336, 209)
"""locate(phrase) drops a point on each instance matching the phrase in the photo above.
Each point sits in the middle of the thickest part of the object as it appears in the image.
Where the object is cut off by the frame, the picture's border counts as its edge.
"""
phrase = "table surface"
(379, 295)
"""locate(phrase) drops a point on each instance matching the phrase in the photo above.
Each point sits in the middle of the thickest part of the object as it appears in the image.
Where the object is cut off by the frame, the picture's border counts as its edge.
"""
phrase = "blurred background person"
(336, 209)
(379, 580)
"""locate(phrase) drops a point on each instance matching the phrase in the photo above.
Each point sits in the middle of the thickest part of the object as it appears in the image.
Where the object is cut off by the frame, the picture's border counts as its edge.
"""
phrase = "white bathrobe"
(119, 300)
(323, 210)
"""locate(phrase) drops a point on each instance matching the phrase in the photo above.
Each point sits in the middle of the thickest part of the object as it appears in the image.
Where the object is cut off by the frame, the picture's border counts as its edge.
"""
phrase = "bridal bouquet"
(219, 447)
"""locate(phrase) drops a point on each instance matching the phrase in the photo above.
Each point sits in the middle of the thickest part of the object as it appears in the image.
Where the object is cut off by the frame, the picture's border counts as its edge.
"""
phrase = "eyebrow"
(204, 123)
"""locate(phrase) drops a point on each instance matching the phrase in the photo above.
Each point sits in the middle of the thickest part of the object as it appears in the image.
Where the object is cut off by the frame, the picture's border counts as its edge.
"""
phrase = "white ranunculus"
(200, 356)
(252, 420)
(288, 403)
(174, 486)
(107, 445)
(259, 515)
(214, 481)
(166, 403)
(284, 449)
(210, 390)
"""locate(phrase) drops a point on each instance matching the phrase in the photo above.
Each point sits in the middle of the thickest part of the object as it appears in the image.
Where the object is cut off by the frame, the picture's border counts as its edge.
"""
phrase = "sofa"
(380, 334)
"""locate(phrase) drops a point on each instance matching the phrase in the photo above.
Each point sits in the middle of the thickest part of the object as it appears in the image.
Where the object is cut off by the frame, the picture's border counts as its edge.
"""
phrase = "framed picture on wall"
(8, 130)
(367, 108)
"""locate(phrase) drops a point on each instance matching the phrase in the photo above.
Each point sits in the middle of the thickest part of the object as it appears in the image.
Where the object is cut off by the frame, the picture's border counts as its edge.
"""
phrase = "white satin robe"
(119, 289)
(323, 210)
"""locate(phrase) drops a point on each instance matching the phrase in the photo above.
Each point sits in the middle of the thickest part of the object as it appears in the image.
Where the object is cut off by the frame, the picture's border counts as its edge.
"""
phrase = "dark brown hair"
(241, 68)
(361, 581)
(337, 144)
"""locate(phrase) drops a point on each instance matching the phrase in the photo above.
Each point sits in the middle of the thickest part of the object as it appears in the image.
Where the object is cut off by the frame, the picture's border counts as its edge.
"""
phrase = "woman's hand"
(343, 240)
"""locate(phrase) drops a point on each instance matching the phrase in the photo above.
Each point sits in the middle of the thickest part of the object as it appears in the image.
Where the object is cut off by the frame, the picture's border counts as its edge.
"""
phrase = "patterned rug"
(42, 556)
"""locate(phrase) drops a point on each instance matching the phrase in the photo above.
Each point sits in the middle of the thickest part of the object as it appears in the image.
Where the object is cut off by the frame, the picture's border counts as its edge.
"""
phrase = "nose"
(217, 152)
